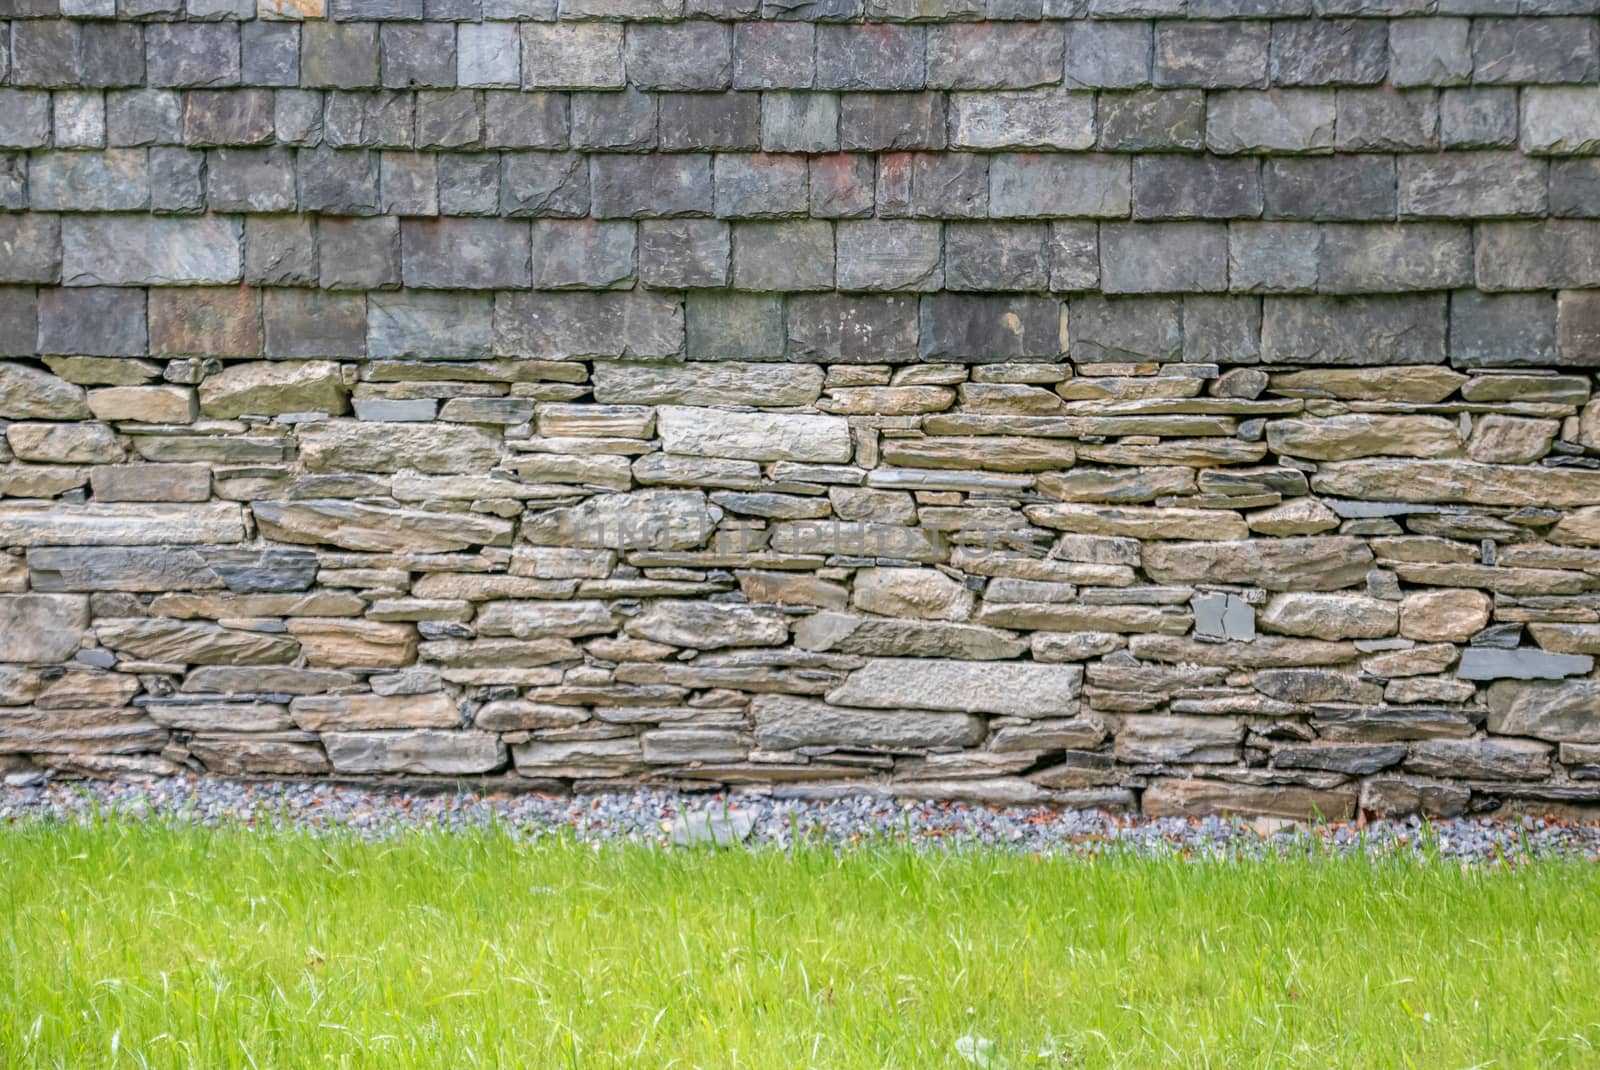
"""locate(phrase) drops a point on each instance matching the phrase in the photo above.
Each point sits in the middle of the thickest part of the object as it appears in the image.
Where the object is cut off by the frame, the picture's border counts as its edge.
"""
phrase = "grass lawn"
(149, 945)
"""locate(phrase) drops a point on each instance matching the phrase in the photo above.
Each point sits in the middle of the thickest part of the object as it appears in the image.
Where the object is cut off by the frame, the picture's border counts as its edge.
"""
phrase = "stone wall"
(1127, 402)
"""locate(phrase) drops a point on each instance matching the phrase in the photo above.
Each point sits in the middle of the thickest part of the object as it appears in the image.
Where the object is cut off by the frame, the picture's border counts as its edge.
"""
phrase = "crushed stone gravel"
(665, 818)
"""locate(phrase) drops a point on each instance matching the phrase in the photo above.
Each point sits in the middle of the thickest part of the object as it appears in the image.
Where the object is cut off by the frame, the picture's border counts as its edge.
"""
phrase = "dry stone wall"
(1176, 404)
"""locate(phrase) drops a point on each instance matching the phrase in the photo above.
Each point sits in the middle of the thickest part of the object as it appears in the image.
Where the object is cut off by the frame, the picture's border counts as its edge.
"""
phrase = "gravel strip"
(663, 818)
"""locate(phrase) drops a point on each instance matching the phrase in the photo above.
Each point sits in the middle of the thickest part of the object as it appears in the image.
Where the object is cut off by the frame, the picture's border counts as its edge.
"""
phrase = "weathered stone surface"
(845, 633)
(1330, 616)
(783, 723)
(361, 446)
(1313, 564)
(278, 387)
(1457, 481)
(1561, 712)
(421, 751)
(1205, 798)
(725, 383)
(762, 437)
(1521, 663)
(42, 628)
(1161, 739)
(1340, 438)
(709, 626)
(1017, 689)
(919, 593)
(654, 520)
(194, 643)
(355, 526)
(26, 524)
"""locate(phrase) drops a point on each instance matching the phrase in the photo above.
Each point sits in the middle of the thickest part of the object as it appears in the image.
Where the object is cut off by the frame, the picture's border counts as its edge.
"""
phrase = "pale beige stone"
(1444, 616)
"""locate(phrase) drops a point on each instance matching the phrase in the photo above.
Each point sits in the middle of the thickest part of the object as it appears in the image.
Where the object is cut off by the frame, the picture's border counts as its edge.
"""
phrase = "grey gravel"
(758, 821)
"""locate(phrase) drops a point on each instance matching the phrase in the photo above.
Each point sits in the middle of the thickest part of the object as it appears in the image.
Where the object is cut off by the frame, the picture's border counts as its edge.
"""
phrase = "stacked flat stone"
(1124, 403)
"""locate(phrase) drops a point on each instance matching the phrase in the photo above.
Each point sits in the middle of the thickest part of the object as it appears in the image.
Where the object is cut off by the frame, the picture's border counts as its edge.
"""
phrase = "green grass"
(147, 945)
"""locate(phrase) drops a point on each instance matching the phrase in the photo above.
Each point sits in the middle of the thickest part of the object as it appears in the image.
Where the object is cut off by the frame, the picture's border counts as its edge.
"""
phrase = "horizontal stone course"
(1180, 406)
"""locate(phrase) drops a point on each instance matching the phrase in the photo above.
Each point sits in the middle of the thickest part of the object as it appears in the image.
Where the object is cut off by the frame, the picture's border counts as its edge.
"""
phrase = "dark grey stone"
(1090, 186)
(889, 254)
(1125, 328)
(723, 326)
(774, 55)
(447, 119)
(623, 121)
(280, 251)
(537, 184)
(250, 180)
(642, 187)
(358, 254)
(94, 321)
(884, 56)
(465, 254)
(1479, 117)
(800, 122)
(1330, 52)
(684, 56)
(703, 121)
(876, 122)
(116, 180)
(1108, 55)
(314, 323)
(269, 54)
(1139, 258)
(455, 326)
(852, 328)
(1496, 330)
(228, 117)
(1388, 120)
(343, 182)
(995, 55)
(997, 256)
(842, 185)
(1353, 330)
(933, 185)
(1535, 50)
(679, 254)
(1221, 330)
(418, 56)
(985, 329)
(139, 117)
(783, 255)
(555, 325)
(1149, 119)
(581, 253)
(1196, 187)
(1211, 55)
(470, 183)
(176, 183)
(338, 55)
(1330, 187)
(192, 54)
(765, 185)
(30, 247)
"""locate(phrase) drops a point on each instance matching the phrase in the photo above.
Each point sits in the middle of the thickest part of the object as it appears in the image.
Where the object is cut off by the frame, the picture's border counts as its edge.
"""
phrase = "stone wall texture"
(1168, 404)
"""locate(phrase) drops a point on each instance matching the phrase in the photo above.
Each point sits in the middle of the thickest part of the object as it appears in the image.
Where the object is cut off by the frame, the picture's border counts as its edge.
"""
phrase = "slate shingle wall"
(1128, 403)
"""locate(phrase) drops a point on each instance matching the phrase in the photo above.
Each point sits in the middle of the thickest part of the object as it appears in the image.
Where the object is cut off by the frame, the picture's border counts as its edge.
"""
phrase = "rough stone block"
(734, 326)
(688, 56)
(774, 55)
(642, 187)
(800, 122)
(465, 254)
(985, 329)
(1429, 52)
(890, 121)
(1108, 55)
(1330, 52)
(1089, 186)
(1535, 50)
(851, 329)
(582, 253)
(762, 185)
(150, 251)
(1211, 55)
(1196, 187)
(1047, 119)
(562, 325)
(997, 256)
(727, 121)
(339, 55)
(995, 55)
(1163, 258)
(1152, 119)
(1330, 187)
(1278, 121)
(783, 256)
(1122, 329)
(224, 322)
(684, 253)
(572, 55)
(874, 57)
(1355, 330)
